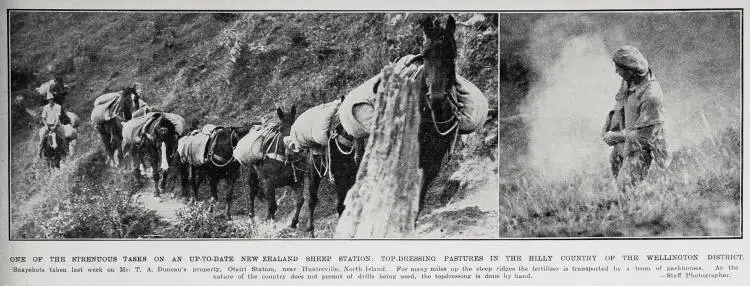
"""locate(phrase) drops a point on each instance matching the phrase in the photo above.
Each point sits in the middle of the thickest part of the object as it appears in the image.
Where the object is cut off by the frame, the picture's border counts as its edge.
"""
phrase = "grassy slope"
(698, 195)
(183, 62)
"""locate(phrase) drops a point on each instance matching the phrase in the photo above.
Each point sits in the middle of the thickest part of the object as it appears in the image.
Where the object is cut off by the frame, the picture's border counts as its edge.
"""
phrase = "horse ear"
(280, 113)
(451, 26)
(427, 25)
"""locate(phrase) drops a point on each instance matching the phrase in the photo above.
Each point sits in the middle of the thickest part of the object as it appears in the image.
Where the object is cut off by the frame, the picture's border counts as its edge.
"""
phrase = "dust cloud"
(695, 56)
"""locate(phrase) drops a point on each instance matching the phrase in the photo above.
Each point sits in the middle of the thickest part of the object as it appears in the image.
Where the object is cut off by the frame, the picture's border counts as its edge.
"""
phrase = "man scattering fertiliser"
(635, 126)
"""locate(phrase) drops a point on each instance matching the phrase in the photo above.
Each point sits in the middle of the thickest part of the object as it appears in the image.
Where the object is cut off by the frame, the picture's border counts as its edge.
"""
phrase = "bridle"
(274, 142)
(452, 98)
(231, 143)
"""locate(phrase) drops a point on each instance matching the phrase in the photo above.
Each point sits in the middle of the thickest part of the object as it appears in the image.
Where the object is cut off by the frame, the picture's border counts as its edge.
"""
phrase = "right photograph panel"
(620, 124)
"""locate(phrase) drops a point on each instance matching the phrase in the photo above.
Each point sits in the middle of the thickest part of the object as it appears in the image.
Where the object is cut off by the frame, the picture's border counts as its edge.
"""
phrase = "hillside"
(183, 62)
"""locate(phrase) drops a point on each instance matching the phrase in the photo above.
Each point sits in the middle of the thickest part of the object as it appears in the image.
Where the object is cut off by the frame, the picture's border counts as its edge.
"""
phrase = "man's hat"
(631, 58)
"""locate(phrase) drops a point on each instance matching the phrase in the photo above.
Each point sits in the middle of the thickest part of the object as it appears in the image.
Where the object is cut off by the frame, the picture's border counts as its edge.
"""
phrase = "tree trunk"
(384, 200)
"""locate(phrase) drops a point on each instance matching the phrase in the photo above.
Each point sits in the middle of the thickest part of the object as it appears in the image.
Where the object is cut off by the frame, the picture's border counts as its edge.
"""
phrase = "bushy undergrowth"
(698, 195)
(80, 200)
(199, 220)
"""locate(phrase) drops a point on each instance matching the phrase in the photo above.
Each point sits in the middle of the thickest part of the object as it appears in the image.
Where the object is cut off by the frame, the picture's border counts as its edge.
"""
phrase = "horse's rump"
(312, 126)
(473, 111)
(192, 148)
(250, 148)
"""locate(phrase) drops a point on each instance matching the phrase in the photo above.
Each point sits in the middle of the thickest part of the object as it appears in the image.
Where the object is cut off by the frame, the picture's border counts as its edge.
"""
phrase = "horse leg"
(106, 140)
(430, 169)
(184, 178)
(116, 157)
(213, 181)
(345, 179)
(299, 197)
(72, 148)
(269, 190)
(312, 182)
(254, 187)
(429, 174)
(136, 158)
(197, 175)
(231, 178)
(155, 175)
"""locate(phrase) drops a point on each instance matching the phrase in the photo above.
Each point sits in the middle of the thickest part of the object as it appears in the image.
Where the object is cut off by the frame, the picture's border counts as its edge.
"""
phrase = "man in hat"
(58, 90)
(635, 127)
(51, 113)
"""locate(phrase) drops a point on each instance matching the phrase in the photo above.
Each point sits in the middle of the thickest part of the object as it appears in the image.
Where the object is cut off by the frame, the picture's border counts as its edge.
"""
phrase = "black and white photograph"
(257, 125)
(624, 124)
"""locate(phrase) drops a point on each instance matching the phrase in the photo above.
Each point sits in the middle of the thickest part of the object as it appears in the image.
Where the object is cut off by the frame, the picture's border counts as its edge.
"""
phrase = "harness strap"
(294, 172)
(275, 156)
(211, 154)
(274, 143)
(454, 116)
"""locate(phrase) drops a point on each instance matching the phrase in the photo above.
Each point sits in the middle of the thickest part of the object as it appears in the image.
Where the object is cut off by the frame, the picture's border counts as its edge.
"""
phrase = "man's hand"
(612, 138)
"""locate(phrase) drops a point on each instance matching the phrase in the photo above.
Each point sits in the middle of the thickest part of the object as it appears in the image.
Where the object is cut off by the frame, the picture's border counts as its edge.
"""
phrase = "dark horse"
(111, 130)
(159, 146)
(220, 164)
(278, 168)
(438, 125)
(53, 147)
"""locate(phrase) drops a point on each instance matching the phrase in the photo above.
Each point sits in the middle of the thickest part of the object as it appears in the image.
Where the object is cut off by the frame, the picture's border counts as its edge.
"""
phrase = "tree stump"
(385, 198)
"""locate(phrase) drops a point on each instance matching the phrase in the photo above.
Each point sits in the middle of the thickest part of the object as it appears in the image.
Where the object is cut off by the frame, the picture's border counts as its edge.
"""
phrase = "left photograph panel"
(252, 125)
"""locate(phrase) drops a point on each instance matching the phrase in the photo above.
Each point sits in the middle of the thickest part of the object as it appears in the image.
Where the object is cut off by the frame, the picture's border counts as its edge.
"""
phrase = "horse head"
(439, 56)
(165, 137)
(129, 101)
(51, 141)
(224, 142)
(284, 129)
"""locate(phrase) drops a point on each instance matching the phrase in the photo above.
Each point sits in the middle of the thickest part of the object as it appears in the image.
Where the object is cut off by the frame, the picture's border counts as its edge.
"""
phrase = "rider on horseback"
(58, 90)
(51, 119)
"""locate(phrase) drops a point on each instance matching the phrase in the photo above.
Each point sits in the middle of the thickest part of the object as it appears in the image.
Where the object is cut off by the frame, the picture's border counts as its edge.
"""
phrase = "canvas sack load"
(69, 132)
(357, 111)
(107, 107)
(134, 129)
(472, 112)
(192, 147)
(45, 87)
(179, 122)
(250, 148)
(311, 127)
